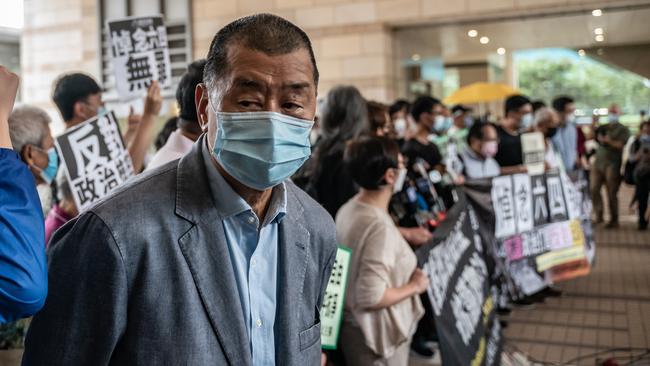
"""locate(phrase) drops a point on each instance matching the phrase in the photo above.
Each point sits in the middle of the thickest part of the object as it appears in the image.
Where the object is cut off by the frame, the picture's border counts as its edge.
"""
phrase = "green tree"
(592, 84)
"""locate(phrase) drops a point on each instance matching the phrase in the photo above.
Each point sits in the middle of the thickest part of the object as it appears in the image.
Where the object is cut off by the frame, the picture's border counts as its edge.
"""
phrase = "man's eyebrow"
(246, 83)
(297, 86)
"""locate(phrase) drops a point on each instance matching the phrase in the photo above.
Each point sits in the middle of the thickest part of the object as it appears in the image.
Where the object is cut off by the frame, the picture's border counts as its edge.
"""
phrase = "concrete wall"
(59, 36)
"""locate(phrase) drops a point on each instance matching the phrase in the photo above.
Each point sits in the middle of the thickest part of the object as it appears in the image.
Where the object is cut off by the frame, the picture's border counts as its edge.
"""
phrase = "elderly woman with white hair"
(31, 138)
(546, 121)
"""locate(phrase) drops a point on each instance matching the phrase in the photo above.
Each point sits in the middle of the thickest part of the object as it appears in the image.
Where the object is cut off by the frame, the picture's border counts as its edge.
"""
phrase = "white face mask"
(400, 126)
(526, 121)
(399, 182)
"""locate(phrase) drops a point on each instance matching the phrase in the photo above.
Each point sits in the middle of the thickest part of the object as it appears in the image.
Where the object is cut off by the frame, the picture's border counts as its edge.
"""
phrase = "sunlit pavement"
(610, 308)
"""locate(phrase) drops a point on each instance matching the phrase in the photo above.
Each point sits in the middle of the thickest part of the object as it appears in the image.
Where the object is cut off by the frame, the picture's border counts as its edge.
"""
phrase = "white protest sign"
(533, 148)
(140, 54)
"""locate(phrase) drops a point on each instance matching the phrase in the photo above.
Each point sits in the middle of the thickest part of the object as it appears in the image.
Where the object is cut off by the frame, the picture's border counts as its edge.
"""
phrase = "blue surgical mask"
(526, 121)
(612, 118)
(469, 121)
(101, 111)
(261, 149)
(442, 123)
(49, 173)
(645, 139)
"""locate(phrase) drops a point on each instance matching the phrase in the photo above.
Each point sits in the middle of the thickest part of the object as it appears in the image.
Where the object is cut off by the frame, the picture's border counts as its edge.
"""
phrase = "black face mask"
(550, 132)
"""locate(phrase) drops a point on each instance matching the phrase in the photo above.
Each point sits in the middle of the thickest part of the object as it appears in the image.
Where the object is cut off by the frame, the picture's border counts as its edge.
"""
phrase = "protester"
(607, 166)
(378, 120)
(23, 274)
(31, 138)
(79, 98)
(218, 259)
(63, 210)
(569, 139)
(169, 126)
(180, 141)
(425, 111)
(518, 117)
(382, 306)
(640, 155)
(345, 116)
(478, 157)
(399, 116)
(537, 105)
(546, 122)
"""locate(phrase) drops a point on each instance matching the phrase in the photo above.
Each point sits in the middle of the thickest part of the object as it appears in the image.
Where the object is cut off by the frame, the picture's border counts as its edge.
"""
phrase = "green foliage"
(592, 84)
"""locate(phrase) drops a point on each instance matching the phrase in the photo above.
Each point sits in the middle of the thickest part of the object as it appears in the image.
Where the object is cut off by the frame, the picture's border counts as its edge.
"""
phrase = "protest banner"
(140, 54)
(460, 291)
(95, 159)
(542, 224)
(331, 314)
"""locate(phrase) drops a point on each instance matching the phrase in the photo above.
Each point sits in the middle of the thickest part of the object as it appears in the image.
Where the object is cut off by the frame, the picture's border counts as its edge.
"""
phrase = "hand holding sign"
(153, 100)
(419, 280)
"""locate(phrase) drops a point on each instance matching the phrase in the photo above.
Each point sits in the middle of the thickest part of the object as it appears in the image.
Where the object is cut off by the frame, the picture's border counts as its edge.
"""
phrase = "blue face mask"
(442, 123)
(469, 122)
(526, 121)
(49, 173)
(645, 139)
(261, 149)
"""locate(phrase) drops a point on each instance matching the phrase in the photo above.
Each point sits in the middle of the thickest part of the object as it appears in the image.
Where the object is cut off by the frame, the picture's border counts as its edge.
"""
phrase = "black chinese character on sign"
(329, 305)
(139, 72)
(85, 188)
(540, 211)
(124, 168)
(108, 179)
(122, 44)
(162, 66)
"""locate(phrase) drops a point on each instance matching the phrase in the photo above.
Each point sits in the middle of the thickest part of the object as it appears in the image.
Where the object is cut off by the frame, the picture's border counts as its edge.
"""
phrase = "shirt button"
(258, 322)
(253, 262)
(251, 219)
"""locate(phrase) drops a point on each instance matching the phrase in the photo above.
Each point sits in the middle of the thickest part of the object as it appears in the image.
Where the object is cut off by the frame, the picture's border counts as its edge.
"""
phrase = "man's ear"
(201, 102)
(26, 154)
(80, 111)
(390, 177)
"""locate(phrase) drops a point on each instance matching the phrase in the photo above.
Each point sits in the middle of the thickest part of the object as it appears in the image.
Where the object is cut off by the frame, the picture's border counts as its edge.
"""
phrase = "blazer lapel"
(293, 254)
(205, 249)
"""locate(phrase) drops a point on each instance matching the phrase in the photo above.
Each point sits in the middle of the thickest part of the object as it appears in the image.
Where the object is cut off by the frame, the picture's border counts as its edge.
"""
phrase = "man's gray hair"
(28, 125)
(543, 114)
(266, 33)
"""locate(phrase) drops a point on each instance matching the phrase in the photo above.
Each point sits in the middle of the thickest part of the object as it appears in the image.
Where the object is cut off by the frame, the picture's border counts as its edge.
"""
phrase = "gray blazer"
(144, 278)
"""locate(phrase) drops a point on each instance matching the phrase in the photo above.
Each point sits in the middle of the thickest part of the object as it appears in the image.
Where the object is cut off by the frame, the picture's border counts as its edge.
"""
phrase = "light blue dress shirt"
(566, 143)
(253, 248)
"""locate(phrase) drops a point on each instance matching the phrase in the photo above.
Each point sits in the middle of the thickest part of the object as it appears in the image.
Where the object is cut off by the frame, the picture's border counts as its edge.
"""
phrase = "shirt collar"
(229, 203)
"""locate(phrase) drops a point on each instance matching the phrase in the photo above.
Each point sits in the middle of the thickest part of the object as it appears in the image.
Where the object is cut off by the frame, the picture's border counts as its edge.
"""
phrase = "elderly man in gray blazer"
(215, 259)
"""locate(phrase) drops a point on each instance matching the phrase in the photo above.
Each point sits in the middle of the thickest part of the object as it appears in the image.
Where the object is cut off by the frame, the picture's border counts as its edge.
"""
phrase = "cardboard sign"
(95, 159)
(140, 54)
(331, 314)
(534, 149)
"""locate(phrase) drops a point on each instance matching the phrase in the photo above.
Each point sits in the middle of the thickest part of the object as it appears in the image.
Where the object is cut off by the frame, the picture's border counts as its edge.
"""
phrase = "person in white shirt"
(180, 141)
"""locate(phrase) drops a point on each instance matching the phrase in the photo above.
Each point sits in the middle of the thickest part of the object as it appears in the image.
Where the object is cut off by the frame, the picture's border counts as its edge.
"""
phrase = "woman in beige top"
(382, 306)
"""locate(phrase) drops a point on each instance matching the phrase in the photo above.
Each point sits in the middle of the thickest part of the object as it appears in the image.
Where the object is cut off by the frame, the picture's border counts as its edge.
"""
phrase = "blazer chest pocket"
(309, 336)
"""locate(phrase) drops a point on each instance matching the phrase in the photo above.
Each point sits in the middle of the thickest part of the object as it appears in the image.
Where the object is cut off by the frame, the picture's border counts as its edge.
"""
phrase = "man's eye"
(249, 104)
(291, 106)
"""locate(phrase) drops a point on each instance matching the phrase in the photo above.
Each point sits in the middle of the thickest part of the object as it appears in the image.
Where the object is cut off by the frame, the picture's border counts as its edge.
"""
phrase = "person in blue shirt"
(23, 273)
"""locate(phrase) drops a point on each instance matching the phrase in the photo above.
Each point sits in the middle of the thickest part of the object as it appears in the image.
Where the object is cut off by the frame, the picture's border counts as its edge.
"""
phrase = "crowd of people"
(212, 253)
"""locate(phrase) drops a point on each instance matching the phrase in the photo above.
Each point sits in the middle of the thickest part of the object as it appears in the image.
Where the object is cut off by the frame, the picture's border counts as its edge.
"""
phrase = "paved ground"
(610, 308)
